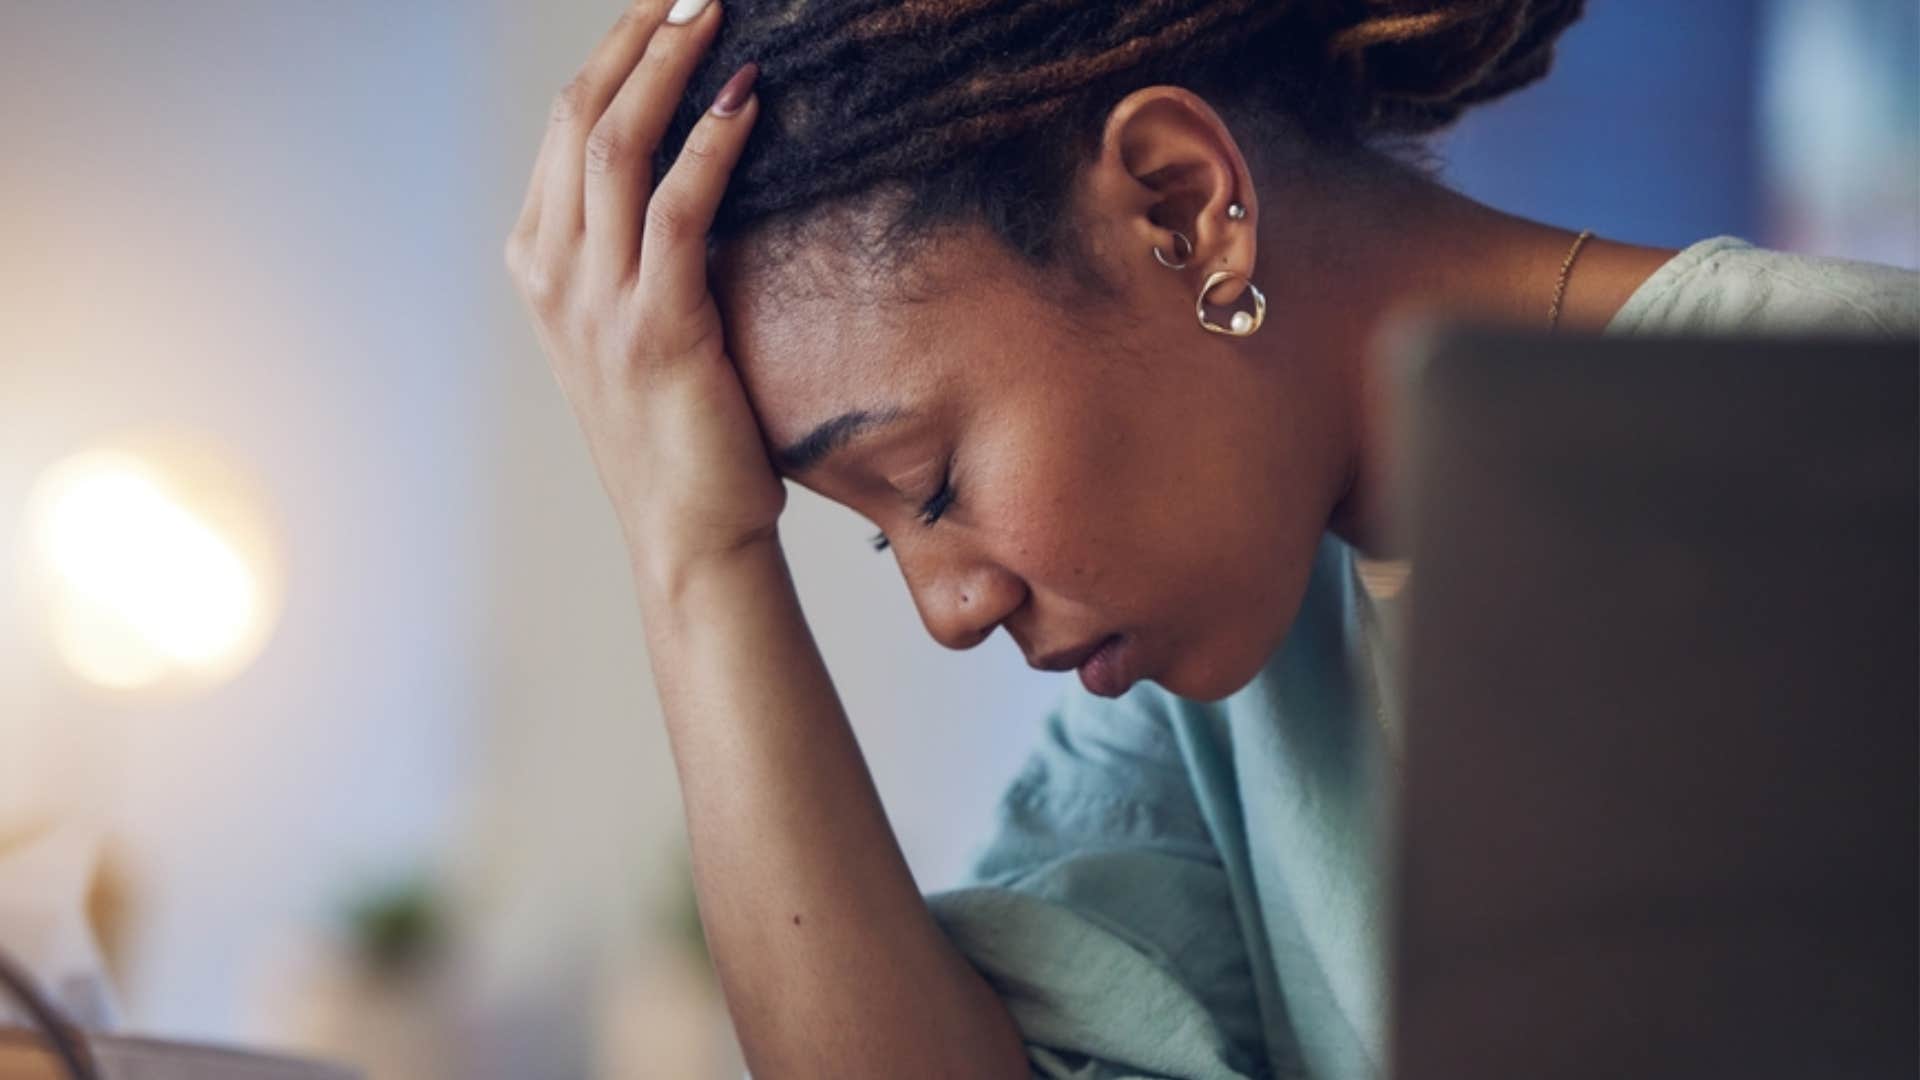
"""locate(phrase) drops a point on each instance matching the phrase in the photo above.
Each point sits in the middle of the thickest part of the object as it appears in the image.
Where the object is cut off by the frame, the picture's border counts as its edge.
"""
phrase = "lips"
(1068, 659)
(1101, 663)
(1106, 671)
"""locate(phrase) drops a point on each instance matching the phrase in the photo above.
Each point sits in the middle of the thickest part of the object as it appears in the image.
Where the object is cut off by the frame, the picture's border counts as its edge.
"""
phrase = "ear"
(1167, 162)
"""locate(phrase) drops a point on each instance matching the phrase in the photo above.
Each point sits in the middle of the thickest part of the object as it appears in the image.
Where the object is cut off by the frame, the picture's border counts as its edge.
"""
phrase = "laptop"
(1659, 816)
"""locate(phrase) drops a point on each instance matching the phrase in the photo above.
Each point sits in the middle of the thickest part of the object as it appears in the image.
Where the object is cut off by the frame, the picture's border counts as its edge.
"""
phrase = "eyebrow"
(816, 445)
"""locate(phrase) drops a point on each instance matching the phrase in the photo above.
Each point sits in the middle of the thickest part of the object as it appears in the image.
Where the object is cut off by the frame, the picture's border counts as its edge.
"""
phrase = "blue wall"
(1644, 131)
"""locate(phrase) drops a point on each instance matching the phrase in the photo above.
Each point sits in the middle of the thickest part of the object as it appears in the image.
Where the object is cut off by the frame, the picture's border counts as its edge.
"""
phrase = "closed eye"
(930, 511)
(941, 500)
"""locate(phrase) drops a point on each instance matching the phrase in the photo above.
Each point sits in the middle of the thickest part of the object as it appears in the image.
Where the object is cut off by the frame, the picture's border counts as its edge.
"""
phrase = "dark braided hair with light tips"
(985, 110)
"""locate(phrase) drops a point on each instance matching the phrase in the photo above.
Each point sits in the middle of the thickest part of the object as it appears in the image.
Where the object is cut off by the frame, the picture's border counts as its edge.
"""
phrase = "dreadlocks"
(985, 109)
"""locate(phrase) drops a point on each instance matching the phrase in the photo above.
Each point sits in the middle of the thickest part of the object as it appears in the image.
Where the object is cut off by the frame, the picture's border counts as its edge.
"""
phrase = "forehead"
(817, 333)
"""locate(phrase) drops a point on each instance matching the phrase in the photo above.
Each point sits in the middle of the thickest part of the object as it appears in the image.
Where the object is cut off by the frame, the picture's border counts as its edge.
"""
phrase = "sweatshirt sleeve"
(1099, 908)
(1726, 286)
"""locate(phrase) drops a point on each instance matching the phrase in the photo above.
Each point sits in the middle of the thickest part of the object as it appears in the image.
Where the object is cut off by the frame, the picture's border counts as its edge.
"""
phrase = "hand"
(617, 283)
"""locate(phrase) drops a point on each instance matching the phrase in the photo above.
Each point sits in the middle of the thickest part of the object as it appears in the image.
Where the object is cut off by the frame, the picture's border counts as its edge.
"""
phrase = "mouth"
(1101, 663)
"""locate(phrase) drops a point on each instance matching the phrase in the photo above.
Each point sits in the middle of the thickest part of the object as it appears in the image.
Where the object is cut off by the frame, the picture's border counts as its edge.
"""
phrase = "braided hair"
(984, 110)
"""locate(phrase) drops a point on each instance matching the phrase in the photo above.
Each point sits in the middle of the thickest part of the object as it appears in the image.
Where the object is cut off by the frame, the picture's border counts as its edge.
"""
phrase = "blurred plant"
(397, 927)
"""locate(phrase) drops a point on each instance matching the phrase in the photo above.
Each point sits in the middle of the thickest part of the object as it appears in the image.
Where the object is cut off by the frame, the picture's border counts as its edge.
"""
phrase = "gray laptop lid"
(1659, 814)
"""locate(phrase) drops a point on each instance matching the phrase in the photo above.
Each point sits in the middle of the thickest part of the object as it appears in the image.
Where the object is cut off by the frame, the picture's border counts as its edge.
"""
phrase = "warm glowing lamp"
(156, 563)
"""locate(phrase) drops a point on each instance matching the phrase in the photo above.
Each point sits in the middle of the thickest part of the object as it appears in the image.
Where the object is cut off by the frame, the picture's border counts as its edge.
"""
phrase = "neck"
(1371, 244)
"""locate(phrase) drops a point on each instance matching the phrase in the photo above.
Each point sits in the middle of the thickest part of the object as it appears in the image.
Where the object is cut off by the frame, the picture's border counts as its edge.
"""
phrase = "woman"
(1075, 303)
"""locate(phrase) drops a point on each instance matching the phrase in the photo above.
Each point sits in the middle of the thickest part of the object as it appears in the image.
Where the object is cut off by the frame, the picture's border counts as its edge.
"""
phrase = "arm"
(829, 958)
(830, 961)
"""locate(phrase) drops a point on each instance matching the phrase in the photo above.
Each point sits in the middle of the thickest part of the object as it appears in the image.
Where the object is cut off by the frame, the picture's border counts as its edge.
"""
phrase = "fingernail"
(685, 11)
(734, 95)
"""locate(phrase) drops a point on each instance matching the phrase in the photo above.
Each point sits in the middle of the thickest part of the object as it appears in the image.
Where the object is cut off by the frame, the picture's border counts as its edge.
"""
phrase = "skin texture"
(1115, 468)
(1070, 468)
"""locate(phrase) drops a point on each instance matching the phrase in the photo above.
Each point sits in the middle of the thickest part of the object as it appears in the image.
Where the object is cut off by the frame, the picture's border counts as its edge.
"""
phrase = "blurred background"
(323, 702)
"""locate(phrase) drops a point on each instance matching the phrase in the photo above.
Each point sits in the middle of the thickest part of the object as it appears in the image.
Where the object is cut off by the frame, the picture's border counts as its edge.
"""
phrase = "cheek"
(1067, 524)
(1041, 538)
(1080, 502)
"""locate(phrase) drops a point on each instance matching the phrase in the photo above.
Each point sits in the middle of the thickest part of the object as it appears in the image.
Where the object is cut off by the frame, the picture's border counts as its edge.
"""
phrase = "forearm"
(830, 961)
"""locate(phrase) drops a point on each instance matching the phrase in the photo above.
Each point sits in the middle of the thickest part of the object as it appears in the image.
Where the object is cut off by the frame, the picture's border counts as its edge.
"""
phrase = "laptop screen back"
(1659, 815)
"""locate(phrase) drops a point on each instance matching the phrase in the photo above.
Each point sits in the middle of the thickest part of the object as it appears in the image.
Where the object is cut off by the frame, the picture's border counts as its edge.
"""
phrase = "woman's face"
(1144, 480)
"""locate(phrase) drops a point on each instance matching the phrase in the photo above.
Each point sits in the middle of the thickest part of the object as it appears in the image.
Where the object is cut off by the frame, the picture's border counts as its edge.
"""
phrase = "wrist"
(666, 571)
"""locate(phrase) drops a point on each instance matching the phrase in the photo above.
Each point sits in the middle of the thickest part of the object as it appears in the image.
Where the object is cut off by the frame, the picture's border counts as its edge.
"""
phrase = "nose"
(960, 598)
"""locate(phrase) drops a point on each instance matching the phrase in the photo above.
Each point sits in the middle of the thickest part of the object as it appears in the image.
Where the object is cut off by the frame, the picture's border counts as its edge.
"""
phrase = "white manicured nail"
(685, 11)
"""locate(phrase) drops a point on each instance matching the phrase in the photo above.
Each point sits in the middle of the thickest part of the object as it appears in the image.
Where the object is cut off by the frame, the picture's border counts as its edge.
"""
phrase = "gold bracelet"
(1566, 271)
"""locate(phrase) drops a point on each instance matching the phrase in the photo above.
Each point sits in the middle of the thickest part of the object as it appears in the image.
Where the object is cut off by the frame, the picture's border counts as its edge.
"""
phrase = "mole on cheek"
(796, 920)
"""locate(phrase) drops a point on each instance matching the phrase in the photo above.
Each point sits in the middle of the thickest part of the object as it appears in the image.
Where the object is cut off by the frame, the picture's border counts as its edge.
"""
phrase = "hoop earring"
(1179, 240)
(1242, 324)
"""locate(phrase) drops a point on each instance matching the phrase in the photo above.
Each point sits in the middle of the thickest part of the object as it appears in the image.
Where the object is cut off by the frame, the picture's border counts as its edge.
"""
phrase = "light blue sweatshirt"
(1181, 889)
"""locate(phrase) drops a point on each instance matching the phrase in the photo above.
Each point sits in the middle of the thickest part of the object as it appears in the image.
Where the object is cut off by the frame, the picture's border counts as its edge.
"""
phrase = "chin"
(1213, 677)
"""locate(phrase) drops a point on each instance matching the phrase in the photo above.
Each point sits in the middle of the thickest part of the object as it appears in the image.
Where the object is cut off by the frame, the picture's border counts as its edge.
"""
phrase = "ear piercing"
(1183, 247)
(1242, 323)
(1179, 241)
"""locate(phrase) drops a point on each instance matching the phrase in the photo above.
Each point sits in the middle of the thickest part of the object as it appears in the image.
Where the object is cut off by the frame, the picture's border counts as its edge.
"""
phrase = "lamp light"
(155, 561)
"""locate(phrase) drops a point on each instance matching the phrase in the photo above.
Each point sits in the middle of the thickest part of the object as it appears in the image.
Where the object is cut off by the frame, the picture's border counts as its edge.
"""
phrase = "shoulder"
(1726, 285)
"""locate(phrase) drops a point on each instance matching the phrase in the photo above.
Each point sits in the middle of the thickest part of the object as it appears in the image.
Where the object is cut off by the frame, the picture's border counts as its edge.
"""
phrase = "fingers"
(619, 149)
(673, 253)
(575, 110)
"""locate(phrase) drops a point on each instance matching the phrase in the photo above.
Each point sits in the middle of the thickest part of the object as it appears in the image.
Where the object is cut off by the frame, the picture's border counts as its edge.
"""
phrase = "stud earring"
(1236, 211)
(1179, 241)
